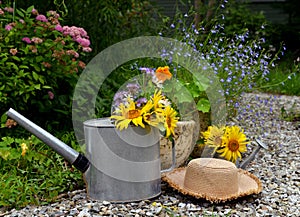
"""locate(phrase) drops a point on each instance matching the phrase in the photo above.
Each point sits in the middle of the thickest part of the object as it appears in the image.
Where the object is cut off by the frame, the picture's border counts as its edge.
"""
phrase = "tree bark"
(210, 10)
(198, 4)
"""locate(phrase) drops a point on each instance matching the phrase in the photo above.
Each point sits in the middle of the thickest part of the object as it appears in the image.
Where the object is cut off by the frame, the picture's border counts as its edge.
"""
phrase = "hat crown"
(215, 177)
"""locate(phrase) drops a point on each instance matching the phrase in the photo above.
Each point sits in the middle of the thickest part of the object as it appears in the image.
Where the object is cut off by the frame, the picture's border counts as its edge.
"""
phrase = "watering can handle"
(72, 156)
(173, 159)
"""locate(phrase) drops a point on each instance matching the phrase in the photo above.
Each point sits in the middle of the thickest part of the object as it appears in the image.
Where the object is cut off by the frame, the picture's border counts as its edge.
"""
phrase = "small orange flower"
(163, 73)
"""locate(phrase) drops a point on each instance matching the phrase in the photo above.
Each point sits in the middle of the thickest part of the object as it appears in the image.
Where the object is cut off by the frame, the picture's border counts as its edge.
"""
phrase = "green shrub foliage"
(39, 64)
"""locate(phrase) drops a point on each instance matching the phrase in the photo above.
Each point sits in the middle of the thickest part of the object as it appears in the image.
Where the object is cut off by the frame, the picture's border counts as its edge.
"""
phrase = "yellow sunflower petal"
(234, 143)
(123, 124)
(138, 121)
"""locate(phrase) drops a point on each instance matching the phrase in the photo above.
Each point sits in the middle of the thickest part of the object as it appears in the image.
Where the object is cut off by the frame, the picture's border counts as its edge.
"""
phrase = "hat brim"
(248, 184)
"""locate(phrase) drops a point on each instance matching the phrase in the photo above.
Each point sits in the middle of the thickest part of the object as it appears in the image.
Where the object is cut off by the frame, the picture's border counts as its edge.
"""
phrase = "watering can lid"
(99, 122)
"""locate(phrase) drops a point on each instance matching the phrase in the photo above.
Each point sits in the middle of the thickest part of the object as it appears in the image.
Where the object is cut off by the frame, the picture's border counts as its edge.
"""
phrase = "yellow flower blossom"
(170, 120)
(213, 136)
(24, 149)
(234, 143)
(130, 114)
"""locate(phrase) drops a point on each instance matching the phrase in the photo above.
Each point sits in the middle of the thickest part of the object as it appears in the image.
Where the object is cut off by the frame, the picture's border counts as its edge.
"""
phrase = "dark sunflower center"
(233, 145)
(169, 122)
(133, 113)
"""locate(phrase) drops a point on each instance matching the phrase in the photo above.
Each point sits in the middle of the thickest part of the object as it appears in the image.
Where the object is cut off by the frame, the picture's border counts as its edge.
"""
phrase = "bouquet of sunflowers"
(143, 103)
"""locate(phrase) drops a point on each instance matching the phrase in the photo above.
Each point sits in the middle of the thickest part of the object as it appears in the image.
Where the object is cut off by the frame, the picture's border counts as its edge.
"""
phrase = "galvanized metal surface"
(125, 165)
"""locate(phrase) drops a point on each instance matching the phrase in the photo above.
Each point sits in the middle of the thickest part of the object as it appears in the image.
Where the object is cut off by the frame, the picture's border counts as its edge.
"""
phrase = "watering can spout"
(251, 157)
(76, 159)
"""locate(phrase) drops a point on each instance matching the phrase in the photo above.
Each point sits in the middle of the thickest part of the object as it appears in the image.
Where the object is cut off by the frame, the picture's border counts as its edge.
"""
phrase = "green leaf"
(35, 76)
(41, 80)
(183, 96)
(37, 86)
(194, 90)
(23, 67)
(39, 59)
(20, 13)
(29, 9)
(3, 118)
(202, 83)
(203, 105)
(16, 58)
(26, 97)
(4, 60)
(4, 154)
(36, 67)
(13, 65)
(7, 141)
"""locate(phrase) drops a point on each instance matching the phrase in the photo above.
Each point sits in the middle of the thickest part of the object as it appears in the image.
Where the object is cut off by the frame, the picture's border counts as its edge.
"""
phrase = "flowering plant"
(229, 141)
(143, 102)
(241, 60)
(39, 60)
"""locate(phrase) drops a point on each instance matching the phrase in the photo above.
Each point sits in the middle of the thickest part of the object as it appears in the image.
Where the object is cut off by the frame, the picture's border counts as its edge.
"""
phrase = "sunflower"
(153, 118)
(234, 143)
(157, 97)
(163, 73)
(130, 113)
(213, 136)
(170, 120)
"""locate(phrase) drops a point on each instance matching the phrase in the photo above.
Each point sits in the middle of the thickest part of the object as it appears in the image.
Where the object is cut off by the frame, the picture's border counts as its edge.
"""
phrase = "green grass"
(283, 79)
(37, 177)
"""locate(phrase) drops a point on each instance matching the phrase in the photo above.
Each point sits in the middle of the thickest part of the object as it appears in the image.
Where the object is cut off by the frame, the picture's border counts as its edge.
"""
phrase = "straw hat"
(213, 179)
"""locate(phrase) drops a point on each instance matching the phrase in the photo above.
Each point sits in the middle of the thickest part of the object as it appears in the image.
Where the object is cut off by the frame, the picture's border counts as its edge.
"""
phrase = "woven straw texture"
(215, 180)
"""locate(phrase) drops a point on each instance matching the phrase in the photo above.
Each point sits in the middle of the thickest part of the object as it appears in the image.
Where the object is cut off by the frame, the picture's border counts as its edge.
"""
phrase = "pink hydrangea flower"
(1, 12)
(66, 30)
(73, 52)
(37, 40)
(87, 49)
(9, 9)
(27, 40)
(54, 14)
(83, 33)
(59, 28)
(83, 42)
(74, 32)
(8, 27)
(79, 35)
(34, 11)
(42, 18)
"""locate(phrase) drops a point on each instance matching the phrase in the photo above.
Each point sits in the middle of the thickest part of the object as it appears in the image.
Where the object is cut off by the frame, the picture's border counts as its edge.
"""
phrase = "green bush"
(237, 17)
(112, 21)
(31, 173)
(39, 64)
(107, 21)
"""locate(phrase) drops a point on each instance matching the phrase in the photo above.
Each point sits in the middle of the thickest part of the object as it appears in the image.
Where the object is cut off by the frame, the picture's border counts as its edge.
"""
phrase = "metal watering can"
(118, 166)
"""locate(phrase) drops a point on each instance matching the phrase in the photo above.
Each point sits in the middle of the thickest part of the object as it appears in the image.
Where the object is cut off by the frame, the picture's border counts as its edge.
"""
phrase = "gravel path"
(278, 168)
